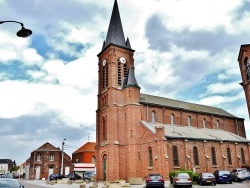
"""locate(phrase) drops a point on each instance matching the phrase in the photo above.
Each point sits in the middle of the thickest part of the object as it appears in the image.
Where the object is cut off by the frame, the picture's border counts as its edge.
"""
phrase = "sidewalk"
(74, 185)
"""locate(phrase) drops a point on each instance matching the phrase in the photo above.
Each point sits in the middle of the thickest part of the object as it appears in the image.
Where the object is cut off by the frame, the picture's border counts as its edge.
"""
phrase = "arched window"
(229, 158)
(150, 157)
(104, 75)
(217, 124)
(189, 121)
(153, 117)
(204, 123)
(196, 156)
(104, 128)
(242, 156)
(213, 154)
(172, 119)
(175, 156)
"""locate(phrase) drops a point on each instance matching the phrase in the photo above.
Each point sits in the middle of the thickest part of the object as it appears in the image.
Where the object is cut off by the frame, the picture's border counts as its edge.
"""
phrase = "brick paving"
(77, 185)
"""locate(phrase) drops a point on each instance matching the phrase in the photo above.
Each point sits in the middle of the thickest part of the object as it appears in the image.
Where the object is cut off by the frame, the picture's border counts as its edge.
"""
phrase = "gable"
(48, 147)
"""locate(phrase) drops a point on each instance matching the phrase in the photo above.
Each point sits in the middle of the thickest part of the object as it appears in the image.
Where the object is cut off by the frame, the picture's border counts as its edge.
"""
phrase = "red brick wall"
(45, 163)
(127, 142)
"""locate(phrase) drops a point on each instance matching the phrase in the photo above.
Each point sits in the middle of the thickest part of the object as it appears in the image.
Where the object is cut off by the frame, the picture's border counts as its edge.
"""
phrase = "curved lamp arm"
(21, 33)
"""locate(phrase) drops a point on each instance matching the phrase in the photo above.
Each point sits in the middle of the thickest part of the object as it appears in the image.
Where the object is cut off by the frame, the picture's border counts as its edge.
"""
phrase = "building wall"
(45, 163)
(123, 143)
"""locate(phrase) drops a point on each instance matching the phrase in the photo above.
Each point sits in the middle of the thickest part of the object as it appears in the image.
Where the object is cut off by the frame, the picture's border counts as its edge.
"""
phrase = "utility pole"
(62, 155)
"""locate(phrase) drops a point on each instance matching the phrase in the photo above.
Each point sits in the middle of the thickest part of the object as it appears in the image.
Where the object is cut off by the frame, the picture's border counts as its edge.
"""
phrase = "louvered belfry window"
(105, 76)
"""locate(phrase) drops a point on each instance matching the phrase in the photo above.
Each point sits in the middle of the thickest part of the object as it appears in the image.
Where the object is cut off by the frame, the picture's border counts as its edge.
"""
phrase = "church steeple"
(115, 33)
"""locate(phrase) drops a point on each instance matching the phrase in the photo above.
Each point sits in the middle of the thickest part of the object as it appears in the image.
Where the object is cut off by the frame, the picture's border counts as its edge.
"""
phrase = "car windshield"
(183, 175)
(224, 173)
(207, 175)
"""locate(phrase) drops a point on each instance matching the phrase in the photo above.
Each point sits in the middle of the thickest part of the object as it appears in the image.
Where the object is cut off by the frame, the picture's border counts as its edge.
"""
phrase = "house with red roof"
(84, 158)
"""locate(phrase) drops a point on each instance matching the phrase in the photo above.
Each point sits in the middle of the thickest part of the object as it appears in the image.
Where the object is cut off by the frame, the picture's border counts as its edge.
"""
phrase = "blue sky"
(185, 50)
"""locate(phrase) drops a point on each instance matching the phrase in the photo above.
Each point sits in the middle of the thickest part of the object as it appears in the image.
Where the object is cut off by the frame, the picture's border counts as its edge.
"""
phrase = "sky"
(184, 49)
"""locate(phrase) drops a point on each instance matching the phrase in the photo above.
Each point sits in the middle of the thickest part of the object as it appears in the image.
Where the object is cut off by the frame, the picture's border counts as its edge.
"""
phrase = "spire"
(130, 80)
(115, 33)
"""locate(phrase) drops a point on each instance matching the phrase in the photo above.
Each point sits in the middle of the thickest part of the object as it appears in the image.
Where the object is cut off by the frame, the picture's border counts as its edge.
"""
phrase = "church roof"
(115, 33)
(166, 102)
(192, 133)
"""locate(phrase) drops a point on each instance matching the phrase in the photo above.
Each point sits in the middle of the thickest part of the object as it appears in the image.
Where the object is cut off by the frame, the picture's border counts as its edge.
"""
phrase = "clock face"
(104, 62)
(122, 60)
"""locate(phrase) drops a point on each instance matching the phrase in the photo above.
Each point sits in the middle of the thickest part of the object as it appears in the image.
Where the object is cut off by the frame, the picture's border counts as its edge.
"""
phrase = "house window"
(213, 156)
(38, 157)
(93, 159)
(204, 123)
(196, 156)
(189, 121)
(229, 156)
(51, 157)
(153, 117)
(217, 124)
(150, 157)
(242, 156)
(175, 156)
(172, 119)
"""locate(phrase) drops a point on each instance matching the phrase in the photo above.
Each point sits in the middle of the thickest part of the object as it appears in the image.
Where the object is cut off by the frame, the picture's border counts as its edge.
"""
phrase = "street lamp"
(23, 32)
(62, 155)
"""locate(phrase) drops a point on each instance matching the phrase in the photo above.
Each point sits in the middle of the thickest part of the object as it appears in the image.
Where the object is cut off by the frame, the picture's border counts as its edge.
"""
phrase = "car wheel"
(230, 182)
(235, 179)
(214, 184)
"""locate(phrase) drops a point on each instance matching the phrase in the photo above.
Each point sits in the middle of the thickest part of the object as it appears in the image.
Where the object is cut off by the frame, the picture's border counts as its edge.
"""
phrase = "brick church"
(140, 133)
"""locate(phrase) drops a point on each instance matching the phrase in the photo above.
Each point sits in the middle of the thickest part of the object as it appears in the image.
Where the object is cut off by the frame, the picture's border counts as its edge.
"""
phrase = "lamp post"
(62, 155)
(21, 33)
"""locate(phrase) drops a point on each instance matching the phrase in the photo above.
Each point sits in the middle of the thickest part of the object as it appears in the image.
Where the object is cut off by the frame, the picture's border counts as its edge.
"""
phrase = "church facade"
(140, 133)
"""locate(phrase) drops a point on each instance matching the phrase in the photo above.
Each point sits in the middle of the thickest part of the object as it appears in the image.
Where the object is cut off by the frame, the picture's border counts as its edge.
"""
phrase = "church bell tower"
(117, 90)
(244, 63)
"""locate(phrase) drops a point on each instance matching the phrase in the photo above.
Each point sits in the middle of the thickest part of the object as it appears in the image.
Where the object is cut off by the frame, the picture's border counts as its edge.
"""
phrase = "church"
(139, 133)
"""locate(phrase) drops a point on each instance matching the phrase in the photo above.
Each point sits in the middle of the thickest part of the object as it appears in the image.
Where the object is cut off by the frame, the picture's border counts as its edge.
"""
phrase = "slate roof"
(192, 133)
(48, 147)
(115, 34)
(6, 161)
(130, 80)
(166, 102)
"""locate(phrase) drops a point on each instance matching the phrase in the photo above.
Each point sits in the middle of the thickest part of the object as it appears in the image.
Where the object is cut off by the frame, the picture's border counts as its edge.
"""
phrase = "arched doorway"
(104, 167)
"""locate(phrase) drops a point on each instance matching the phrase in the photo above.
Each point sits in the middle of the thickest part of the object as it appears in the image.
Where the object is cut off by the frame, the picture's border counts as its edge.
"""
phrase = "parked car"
(223, 176)
(7, 176)
(154, 180)
(182, 179)
(9, 182)
(88, 175)
(56, 176)
(206, 178)
(74, 176)
(239, 174)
